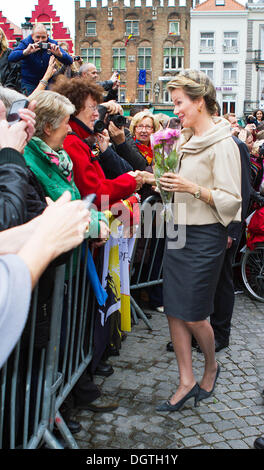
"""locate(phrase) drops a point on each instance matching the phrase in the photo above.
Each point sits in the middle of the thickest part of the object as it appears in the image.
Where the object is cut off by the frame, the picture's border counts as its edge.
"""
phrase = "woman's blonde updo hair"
(196, 84)
(139, 117)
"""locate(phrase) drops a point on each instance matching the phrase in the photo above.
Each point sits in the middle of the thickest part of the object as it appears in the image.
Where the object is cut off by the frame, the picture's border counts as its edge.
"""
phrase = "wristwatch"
(197, 193)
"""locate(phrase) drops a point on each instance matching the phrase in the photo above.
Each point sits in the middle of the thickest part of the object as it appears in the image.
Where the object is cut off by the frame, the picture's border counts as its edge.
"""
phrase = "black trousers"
(224, 299)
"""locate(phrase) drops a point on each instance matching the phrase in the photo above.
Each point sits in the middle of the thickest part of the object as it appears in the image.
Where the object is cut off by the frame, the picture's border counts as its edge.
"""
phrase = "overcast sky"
(16, 10)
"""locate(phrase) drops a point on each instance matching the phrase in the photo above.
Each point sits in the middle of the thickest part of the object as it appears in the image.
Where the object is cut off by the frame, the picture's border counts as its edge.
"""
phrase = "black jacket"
(113, 164)
(13, 188)
(129, 151)
(10, 75)
(234, 229)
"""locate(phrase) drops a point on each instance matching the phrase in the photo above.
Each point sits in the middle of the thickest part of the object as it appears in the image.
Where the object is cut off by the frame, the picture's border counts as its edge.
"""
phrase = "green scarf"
(60, 158)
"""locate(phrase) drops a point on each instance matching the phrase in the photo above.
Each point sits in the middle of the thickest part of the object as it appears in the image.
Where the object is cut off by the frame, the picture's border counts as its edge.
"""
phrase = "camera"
(101, 124)
(44, 45)
(77, 57)
(251, 119)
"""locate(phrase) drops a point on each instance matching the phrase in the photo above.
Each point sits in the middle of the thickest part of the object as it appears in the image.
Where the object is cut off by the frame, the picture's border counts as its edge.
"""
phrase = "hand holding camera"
(32, 48)
(54, 49)
(116, 133)
(19, 126)
(103, 140)
(109, 111)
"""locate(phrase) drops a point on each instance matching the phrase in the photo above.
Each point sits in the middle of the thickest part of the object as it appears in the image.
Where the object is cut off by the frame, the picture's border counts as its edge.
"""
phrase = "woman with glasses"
(142, 126)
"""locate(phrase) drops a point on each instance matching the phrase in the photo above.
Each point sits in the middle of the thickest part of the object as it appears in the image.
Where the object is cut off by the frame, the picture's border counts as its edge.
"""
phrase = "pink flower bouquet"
(165, 144)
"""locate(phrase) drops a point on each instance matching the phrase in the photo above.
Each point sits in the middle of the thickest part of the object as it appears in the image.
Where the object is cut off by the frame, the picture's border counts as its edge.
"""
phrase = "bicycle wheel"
(252, 270)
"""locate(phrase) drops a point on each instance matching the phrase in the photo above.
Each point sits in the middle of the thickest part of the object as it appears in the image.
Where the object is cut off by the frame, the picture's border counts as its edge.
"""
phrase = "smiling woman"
(210, 194)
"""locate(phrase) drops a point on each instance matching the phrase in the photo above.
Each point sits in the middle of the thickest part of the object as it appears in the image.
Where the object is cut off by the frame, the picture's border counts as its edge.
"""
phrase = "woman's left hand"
(174, 182)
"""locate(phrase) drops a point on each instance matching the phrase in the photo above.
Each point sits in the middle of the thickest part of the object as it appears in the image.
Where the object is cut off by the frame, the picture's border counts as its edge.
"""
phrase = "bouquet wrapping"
(165, 145)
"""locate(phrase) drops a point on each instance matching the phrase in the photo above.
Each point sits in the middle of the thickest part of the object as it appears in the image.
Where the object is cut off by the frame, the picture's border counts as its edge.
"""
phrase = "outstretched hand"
(17, 135)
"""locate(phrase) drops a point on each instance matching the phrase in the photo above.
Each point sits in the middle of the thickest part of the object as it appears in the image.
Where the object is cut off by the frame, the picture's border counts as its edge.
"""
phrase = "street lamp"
(26, 28)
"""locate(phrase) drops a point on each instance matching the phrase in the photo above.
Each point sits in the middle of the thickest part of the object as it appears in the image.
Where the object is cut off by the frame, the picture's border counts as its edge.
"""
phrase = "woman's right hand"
(138, 177)
(148, 177)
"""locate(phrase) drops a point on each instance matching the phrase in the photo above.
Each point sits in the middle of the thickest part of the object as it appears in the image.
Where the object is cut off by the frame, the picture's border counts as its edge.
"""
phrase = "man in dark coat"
(225, 295)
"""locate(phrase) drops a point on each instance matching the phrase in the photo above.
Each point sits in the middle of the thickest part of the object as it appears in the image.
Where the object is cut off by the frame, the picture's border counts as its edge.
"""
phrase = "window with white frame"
(208, 68)
(119, 58)
(144, 93)
(229, 104)
(92, 55)
(90, 28)
(144, 58)
(173, 58)
(230, 41)
(207, 42)
(174, 28)
(132, 27)
(122, 92)
(230, 73)
(166, 94)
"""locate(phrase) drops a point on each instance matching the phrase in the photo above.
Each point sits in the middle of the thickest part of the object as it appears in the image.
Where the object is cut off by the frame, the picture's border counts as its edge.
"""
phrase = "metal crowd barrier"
(147, 259)
(37, 378)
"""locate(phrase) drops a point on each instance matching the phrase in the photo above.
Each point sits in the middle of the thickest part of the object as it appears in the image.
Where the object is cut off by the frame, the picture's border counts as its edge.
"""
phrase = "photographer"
(89, 70)
(34, 52)
(111, 117)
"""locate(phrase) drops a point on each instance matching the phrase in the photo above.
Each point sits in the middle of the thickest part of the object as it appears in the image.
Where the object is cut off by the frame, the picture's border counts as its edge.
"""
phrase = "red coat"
(88, 174)
(256, 229)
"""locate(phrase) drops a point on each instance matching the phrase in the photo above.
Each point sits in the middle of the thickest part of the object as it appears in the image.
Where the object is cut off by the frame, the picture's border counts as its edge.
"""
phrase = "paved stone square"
(145, 374)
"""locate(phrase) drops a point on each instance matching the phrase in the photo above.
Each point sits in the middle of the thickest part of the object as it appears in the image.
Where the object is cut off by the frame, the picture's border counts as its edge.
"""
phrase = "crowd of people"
(72, 140)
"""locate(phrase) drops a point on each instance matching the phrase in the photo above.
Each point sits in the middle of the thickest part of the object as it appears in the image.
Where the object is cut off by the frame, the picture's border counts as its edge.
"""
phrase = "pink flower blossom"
(164, 135)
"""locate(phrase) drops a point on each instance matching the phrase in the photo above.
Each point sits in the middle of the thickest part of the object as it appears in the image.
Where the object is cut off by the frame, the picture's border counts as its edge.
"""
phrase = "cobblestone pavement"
(145, 374)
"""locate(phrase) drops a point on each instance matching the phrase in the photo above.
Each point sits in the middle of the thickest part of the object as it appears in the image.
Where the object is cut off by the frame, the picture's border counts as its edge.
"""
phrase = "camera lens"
(118, 120)
(99, 126)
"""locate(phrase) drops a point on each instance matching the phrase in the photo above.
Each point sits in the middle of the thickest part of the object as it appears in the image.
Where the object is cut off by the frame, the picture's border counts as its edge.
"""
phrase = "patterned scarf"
(145, 150)
(60, 158)
(256, 165)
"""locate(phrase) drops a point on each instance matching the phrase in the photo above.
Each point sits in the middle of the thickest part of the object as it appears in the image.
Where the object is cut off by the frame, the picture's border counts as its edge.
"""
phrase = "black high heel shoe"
(203, 393)
(167, 406)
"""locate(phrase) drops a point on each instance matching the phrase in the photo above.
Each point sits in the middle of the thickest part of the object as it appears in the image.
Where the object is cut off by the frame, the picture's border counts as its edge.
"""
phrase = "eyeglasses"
(94, 108)
(148, 128)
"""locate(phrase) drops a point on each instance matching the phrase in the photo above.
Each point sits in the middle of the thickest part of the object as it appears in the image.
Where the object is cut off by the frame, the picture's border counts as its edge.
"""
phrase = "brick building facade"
(156, 51)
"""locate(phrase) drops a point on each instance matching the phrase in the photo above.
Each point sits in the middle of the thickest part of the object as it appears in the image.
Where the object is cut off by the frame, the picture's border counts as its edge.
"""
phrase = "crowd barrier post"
(145, 233)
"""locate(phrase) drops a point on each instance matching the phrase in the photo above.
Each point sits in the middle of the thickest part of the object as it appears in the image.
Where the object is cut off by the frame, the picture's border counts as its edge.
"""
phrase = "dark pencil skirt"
(191, 270)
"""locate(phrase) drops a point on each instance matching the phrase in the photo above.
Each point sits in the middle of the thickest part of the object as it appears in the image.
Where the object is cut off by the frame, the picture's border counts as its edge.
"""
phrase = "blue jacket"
(34, 66)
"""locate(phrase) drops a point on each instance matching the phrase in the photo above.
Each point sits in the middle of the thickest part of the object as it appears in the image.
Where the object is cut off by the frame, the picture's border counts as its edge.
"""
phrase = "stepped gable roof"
(12, 31)
(210, 5)
(44, 13)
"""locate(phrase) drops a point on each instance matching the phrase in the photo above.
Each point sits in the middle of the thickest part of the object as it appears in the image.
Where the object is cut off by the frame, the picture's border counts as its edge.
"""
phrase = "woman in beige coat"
(207, 197)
